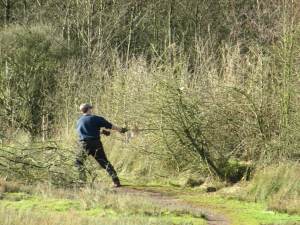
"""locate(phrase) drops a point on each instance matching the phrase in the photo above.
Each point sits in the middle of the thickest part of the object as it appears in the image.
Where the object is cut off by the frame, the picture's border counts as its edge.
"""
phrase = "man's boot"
(116, 182)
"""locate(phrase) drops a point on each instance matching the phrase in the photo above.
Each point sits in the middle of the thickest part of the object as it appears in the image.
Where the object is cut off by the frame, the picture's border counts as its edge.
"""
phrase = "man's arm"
(102, 122)
(119, 129)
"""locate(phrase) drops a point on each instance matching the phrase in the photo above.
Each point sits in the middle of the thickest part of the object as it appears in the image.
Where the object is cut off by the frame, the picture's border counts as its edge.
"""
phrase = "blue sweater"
(88, 127)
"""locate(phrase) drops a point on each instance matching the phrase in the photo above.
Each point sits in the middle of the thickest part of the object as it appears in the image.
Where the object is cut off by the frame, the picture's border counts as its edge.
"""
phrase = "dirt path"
(171, 202)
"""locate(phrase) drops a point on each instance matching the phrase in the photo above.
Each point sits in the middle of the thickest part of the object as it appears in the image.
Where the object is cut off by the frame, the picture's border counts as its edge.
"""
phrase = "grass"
(46, 205)
(239, 212)
(13, 217)
(279, 186)
(23, 201)
(92, 216)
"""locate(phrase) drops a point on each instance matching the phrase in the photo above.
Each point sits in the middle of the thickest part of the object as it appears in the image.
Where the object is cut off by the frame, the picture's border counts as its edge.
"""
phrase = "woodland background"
(217, 80)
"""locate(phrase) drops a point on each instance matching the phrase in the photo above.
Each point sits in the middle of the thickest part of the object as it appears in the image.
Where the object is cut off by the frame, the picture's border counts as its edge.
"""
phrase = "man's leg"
(101, 158)
(79, 162)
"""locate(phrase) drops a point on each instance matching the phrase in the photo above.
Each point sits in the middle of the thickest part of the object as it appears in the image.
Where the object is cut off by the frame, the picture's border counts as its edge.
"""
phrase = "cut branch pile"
(39, 162)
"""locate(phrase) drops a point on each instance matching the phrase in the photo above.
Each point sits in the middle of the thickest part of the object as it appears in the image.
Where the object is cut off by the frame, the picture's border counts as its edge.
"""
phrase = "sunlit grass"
(87, 206)
(237, 211)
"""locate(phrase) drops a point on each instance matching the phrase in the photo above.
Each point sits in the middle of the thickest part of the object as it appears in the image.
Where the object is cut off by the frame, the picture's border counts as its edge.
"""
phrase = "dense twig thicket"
(219, 79)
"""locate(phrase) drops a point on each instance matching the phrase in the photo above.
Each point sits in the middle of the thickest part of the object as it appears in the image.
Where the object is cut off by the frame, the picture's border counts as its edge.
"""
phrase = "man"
(89, 128)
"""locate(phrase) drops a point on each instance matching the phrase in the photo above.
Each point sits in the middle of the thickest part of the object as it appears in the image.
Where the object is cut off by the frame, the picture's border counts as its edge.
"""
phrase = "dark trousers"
(94, 148)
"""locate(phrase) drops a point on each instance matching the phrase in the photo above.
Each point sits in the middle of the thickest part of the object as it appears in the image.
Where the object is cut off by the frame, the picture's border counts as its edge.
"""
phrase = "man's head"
(85, 108)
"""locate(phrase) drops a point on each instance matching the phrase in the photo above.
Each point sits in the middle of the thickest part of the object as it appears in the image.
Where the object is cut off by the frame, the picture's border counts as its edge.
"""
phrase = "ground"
(131, 204)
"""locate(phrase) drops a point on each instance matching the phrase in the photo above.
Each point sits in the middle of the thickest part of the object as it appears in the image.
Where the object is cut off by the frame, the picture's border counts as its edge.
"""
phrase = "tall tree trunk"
(8, 6)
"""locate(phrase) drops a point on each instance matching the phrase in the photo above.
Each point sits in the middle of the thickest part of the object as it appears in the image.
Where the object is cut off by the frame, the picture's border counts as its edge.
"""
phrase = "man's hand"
(123, 130)
(105, 132)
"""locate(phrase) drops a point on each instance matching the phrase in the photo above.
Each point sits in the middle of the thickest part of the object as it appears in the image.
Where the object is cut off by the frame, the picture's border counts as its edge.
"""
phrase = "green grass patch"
(111, 206)
(237, 211)
(23, 203)
(241, 212)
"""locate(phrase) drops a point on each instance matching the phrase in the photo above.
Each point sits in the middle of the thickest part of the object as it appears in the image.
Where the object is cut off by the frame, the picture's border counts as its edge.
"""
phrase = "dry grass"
(88, 205)
(12, 217)
(9, 186)
(279, 185)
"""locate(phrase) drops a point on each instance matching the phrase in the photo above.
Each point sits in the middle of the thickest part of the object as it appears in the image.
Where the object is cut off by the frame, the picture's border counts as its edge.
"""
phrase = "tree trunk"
(7, 12)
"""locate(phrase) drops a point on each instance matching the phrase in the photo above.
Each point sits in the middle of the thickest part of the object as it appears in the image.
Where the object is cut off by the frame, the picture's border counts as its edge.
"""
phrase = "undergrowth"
(279, 186)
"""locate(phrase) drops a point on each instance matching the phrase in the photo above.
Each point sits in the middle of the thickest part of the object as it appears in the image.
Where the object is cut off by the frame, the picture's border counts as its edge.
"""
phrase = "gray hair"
(85, 107)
